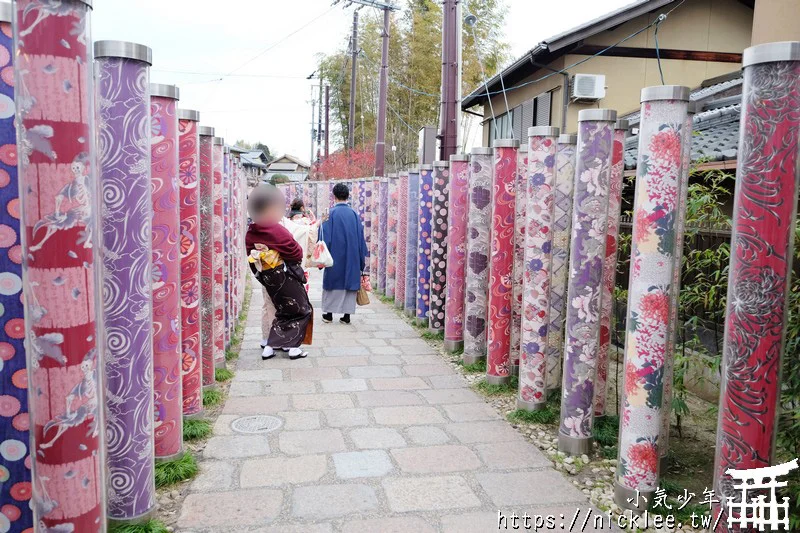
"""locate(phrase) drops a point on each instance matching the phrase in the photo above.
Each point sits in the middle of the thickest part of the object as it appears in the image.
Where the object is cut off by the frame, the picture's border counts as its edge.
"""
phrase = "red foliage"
(358, 163)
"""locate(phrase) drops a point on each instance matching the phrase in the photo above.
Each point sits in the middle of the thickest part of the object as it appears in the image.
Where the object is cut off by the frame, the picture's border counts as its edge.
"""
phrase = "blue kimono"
(343, 233)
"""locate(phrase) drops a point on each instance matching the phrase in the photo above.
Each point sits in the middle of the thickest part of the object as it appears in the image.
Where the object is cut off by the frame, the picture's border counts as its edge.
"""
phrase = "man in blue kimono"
(343, 233)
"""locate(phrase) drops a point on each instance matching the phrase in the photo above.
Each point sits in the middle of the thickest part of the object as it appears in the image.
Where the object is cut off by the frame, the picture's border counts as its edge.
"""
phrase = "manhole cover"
(256, 424)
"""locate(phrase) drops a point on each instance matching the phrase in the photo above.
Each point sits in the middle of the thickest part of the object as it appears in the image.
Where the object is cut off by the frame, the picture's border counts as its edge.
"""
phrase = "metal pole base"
(196, 416)
(453, 346)
(411, 312)
(662, 464)
(574, 445)
(170, 458)
(530, 406)
(515, 370)
(436, 331)
(398, 304)
(498, 380)
(631, 499)
(422, 322)
(213, 386)
(135, 521)
(220, 364)
(472, 359)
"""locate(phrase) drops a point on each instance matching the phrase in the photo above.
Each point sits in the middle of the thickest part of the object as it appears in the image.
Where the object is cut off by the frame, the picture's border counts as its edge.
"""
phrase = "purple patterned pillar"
(542, 149)
(610, 265)
(439, 244)
(383, 237)
(166, 272)
(658, 180)
(206, 185)
(123, 112)
(424, 243)
(402, 237)
(559, 269)
(479, 219)
(587, 252)
(456, 252)
(412, 242)
(520, 203)
(392, 229)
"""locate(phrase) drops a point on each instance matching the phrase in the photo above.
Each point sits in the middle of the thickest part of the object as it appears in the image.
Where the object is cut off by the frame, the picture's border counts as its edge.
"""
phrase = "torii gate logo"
(745, 510)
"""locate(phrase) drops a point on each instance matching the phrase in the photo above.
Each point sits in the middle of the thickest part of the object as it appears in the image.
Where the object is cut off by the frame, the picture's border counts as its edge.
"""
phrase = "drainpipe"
(564, 92)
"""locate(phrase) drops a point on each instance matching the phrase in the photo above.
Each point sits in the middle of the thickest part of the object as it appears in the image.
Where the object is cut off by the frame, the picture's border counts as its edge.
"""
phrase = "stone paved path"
(378, 434)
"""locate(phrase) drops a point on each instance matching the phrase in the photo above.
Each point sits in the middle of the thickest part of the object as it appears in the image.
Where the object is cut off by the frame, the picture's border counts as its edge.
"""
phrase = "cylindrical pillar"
(393, 224)
(226, 245)
(664, 110)
(59, 209)
(219, 258)
(123, 92)
(366, 218)
(402, 238)
(587, 253)
(15, 461)
(501, 261)
(191, 360)
(439, 243)
(383, 237)
(764, 222)
(373, 214)
(542, 150)
(610, 265)
(167, 384)
(456, 253)
(479, 217)
(412, 241)
(207, 317)
(559, 268)
(520, 203)
(424, 243)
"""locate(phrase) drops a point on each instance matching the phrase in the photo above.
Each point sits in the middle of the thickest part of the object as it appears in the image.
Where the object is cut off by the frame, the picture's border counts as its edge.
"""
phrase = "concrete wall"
(776, 20)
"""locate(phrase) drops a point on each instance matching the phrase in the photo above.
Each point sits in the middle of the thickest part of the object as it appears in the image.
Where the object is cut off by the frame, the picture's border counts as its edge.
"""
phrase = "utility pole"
(327, 119)
(351, 124)
(380, 138)
(451, 79)
(313, 131)
(319, 120)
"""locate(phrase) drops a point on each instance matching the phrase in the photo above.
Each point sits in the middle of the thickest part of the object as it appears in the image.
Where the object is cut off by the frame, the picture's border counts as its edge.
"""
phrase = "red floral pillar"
(402, 238)
(501, 261)
(219, 253)
(658, 180)
(456, 252)
(207, 317)
(764, 222)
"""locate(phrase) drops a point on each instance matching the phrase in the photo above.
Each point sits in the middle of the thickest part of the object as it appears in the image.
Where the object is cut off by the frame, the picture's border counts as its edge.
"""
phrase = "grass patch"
(606, 430)
(609, 452)
(173, 472)
(231, 355)
(386, 299)
(548, 416)
(459, 351)
(153, 526)
(497, 390)
(223, 374)
(211, 397)
(196, 429)
(478, 367)
(433, 335)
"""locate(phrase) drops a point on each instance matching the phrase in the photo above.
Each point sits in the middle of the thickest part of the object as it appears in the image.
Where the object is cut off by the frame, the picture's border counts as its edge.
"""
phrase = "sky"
(243, 63)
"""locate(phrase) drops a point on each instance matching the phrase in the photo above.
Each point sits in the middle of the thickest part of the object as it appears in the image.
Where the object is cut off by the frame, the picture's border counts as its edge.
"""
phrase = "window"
(501, 127)
(542, 109)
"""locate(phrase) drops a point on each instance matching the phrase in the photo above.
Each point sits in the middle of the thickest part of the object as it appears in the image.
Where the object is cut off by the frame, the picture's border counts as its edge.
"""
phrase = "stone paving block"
(427, 435)
(474, 432)
(427, 370)
(357, 360)
(332, 501)
(236, 446)
(422, 359)
(398, 384)
(412, 341)
(512, 456)
(387, 398)
(311, 442)
(370, 463)
(429, 493)
(314, 374)
(344, 351)
(294, 528)
(256, 405)
(322, 401)
(453, 381)
(253, 507)
(290, 387)
(272, 374)
(245, 388)
(374, 371)
(470, 412)
(372, 342)
(300, 420)
(278, 471)
(343, 385)
(384, 360)
(446, 396)
(515, 488)
(414, 350)
(436, 459)
(279, 362)
(340, 418)
(407, 416)
(384, 350)
(213, 476)
(471, 523)
(372, 438)
(399, 524)
(222, 426)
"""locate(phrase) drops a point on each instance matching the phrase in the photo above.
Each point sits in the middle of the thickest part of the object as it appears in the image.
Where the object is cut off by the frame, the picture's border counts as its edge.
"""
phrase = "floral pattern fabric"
(207, 317)
(218, 257)
(439, 245)
(383, 234)
(519, 254)
(412, 242)
(402, 238)
(424, 243)
(393, 226)
(456, 251)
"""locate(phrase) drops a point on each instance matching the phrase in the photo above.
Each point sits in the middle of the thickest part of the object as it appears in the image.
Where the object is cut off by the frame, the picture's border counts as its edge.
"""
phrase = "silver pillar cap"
(459, 157)
(567, 138)
(425, 167)
(622, 124)
(505, 143)
(481, 150)
(123, 49)
(189, 114)
(441, 164)
(543, 131)
(219, 141)
(206, 131)
(165, 91)
(770, 52)
(603, 115)
(665, 92)
(6, 12)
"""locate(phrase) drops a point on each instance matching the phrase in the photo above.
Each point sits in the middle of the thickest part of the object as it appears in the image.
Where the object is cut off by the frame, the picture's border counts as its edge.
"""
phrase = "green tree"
(277, 179)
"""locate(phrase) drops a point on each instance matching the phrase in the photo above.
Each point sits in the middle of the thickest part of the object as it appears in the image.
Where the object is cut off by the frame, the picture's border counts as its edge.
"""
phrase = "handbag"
(362, 297)
(321, 257)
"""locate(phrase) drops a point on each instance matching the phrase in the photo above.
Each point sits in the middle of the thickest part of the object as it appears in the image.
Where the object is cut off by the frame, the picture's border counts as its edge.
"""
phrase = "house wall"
(776, 20)
(698, 25)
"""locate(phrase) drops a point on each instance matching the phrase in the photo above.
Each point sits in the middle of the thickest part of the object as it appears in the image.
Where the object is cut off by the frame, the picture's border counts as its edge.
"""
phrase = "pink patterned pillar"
(402, 238)
(658, 180)
(540, 184)
(610, 265)
(501, 261)
(167, 383)
(392, 235)
(219, 253)
(456, 253)
(207, 317)
(519, 256)
(191, 354)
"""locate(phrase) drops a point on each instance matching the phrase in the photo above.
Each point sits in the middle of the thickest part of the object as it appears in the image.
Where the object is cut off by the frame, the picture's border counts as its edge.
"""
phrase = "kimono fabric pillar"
(587, 253)
(207, 317)
(392, 230)
(677, 270)
(438, 272)
(218, 258)
(226, 244)
(559, 268)
(191, 360)
(476, 289)
(501, 262)
(59, 237)
(423, 262)
(412, 243)
(610, 265)
(373, 213)
(541, 172)
(366, 218)
(521, 188)
(456, 253)
(402, 238)
(168, 422)
(15, 460)
(658, 180)
(123, 93)
(764, 219)
(383, 237)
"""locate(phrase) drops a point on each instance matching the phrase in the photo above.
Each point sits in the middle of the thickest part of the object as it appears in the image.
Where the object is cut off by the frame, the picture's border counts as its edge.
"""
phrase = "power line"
(220, 75)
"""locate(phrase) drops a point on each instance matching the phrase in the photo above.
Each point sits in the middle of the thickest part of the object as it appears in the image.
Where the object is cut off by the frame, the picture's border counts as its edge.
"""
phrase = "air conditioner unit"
(588, 87)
